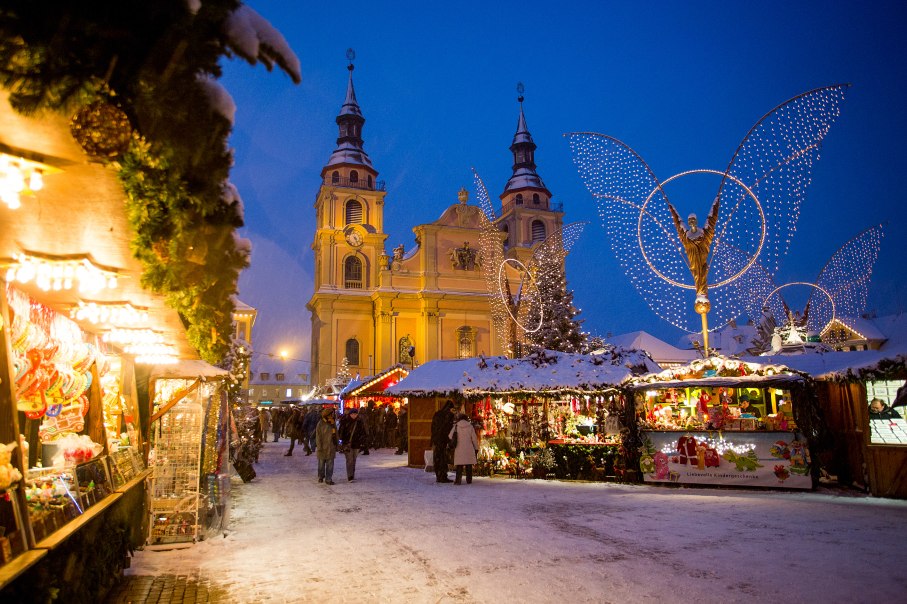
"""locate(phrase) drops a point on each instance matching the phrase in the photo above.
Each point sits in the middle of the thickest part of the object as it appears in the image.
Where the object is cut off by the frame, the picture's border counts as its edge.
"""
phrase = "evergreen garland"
(150, 59)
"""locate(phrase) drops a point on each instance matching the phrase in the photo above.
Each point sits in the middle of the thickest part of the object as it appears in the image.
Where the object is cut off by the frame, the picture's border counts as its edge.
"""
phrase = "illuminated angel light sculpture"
(841, 290)
(753, 216)
(519, 292)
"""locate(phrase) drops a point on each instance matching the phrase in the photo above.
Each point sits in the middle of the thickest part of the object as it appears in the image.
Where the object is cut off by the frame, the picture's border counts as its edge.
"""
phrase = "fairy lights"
(133, 336)
(60, 274)
(772, 165)
(841, 288)
(518, 293)
(99, 313)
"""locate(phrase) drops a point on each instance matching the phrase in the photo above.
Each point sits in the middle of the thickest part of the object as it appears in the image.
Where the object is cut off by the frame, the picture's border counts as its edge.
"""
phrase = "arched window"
(352, 273)
(535, 199)
(352, 351)
(353, 212)
(538, 231)
(466, 342)
(506, 230)
(354, 176)
(369, 181)
(335, 177)
(519, 199)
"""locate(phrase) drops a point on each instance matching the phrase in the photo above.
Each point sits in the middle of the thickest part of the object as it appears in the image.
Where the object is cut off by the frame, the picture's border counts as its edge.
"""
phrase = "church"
(376, 309)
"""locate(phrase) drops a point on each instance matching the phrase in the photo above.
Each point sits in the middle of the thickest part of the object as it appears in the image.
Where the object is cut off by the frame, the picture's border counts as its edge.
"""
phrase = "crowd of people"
(321, 432)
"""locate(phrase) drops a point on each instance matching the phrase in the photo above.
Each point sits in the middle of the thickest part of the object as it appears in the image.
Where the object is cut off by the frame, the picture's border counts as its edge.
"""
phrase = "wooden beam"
(177, 397)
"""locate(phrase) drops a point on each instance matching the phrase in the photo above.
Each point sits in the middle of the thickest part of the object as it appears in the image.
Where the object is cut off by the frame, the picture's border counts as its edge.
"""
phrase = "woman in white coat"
(467, 447)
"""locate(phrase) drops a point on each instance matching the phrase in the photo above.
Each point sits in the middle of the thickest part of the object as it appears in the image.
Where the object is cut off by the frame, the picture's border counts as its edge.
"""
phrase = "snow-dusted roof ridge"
(545, 372)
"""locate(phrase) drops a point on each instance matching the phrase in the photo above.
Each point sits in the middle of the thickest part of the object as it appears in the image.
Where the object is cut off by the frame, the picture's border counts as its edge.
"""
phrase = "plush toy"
(8, 473)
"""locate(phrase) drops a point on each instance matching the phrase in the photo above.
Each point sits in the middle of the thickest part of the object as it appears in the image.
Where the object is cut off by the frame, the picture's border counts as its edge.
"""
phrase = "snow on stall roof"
(545, 372)
(720, 371)
(658, 349)
(852, 365)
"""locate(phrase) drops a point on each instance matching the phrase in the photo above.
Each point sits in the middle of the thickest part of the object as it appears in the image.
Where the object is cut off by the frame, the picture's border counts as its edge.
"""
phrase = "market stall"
(189, 454)
(549, 414)
(868, 449)
(359, 392)
(722, 421)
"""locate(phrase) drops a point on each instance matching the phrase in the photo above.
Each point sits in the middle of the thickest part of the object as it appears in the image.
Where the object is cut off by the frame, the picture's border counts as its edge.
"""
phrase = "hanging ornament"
(102, 130)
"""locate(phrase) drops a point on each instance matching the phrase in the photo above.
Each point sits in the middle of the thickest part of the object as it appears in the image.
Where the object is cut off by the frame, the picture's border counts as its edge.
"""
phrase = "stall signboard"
(752, 459)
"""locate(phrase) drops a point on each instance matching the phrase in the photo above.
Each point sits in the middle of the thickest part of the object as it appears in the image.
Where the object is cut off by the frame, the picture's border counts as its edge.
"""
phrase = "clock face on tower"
(354, 238)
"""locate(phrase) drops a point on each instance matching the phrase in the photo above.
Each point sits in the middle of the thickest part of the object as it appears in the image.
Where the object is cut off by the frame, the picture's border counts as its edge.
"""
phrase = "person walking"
(467, 448)
(294, 429)
(326, 446)
(352, 438)
(277, 421)
(402, 428)
(390, 427)
(441, 423)
(265, 418)
(309, 423)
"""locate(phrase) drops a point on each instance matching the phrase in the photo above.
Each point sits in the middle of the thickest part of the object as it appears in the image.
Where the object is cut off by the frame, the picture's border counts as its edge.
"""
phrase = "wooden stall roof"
(80, 212)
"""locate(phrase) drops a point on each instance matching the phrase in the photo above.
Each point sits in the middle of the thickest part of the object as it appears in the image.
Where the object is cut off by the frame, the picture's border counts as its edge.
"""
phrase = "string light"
(133, 336)
(99, 313)
(60, 274)
(773, 162)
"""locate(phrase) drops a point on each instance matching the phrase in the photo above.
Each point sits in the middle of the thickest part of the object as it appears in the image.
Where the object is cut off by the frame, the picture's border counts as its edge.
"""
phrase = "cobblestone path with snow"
(394, 535)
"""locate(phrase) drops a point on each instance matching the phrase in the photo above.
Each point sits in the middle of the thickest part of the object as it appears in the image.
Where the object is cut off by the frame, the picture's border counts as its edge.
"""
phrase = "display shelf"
(144, 474)
(19, 564)
(73, 526)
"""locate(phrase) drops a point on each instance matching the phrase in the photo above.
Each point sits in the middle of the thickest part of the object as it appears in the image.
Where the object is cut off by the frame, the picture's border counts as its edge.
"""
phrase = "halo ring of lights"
(734, 179)
(524, 271)
(814, 286)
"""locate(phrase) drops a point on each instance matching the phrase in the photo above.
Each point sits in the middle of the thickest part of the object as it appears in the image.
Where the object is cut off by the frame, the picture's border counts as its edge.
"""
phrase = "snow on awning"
(844, 366)
(721, 372)
(545, 373)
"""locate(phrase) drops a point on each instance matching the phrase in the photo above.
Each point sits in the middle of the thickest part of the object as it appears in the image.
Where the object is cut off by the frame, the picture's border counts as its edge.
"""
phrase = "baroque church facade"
(376, 309)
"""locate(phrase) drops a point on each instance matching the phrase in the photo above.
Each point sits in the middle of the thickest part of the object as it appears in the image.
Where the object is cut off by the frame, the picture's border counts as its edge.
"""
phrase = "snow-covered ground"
(394, 535)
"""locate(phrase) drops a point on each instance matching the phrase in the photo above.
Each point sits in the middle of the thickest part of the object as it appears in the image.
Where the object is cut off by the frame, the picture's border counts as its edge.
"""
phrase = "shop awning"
(718, 372)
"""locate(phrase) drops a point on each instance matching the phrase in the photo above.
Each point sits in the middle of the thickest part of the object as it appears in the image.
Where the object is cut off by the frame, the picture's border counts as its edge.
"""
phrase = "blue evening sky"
(680, 82)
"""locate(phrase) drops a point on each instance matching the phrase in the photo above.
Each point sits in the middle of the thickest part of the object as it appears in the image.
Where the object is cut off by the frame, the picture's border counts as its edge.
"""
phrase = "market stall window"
(887, 423)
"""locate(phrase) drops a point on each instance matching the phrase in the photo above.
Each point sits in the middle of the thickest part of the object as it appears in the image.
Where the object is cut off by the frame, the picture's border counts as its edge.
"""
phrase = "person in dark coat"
(365, 416)
(294, 429)
(352, 438)
(879, 410)
(326, 446)
(308, 426)
(441, 423)
(390, 427)
(402, 431)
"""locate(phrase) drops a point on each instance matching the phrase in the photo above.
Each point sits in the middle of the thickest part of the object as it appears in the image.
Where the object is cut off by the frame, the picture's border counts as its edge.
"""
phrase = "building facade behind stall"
(377, 307)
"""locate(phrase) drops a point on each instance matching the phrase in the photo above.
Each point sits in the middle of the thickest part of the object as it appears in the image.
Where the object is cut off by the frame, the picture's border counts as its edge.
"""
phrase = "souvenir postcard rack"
(175, 481)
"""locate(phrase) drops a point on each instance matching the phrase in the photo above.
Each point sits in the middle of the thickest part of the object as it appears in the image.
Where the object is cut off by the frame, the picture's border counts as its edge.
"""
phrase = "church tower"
(348, 248)
(527, 215)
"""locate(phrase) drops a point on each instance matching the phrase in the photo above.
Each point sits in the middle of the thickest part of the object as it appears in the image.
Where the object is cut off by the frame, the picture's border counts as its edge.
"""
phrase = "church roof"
(524, 174)
(349, 145)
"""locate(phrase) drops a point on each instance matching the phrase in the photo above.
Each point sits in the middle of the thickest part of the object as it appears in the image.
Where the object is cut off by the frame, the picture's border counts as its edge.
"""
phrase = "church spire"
(523, 149)
(349, 149)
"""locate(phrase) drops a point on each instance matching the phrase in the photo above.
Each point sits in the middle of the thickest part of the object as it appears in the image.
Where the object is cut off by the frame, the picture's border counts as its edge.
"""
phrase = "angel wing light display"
(841, 290)
(519, 293)
(753, 215)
